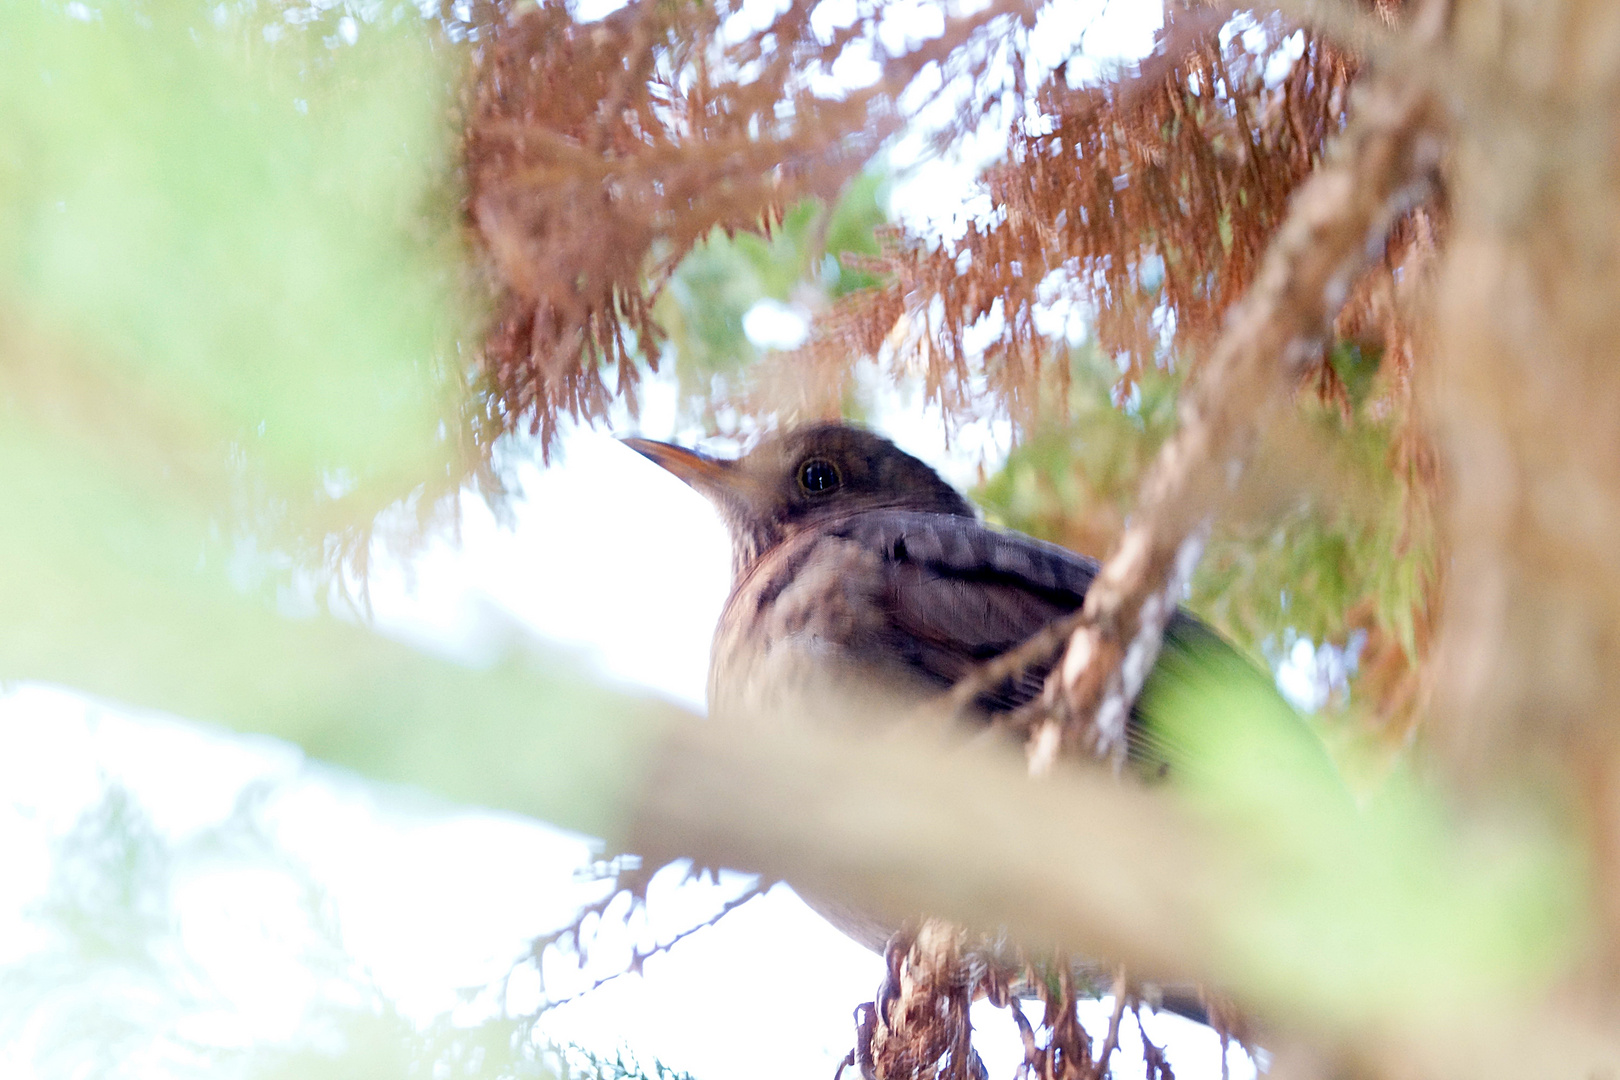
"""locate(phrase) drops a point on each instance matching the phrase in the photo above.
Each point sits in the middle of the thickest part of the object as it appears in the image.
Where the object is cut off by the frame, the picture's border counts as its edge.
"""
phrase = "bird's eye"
(818, 476)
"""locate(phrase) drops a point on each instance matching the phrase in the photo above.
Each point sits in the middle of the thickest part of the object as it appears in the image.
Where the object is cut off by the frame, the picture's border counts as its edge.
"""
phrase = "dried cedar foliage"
(599, 154)
(1149, 201)
(919, 1025)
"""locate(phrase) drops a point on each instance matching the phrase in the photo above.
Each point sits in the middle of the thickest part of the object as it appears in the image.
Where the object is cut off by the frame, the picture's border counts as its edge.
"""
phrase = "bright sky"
(614, 561)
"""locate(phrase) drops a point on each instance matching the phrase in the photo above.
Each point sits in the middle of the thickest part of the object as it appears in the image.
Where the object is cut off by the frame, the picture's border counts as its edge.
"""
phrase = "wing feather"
(958, 592)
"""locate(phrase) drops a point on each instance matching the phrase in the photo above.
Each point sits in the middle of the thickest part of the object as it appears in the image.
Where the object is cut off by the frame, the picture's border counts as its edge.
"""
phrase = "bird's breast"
(802, 637)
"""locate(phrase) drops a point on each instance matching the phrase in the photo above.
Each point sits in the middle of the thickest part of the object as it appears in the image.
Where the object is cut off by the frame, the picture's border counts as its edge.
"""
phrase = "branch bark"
(1527, 407)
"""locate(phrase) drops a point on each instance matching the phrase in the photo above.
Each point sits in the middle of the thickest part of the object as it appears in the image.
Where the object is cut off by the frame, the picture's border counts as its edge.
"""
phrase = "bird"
(864, 584)
(859, 573)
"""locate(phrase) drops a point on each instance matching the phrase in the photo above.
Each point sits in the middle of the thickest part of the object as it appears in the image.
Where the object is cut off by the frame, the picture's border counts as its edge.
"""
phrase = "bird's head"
(801, 476)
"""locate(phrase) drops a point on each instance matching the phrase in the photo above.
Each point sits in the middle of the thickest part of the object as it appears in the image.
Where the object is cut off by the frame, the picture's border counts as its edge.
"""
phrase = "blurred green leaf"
(259, 233)
(225, 313)
(1356, 366)
(800, 263)
(1408, 908)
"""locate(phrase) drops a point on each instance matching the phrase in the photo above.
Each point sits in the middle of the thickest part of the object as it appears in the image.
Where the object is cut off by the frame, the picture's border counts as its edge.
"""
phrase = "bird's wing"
(957, 592)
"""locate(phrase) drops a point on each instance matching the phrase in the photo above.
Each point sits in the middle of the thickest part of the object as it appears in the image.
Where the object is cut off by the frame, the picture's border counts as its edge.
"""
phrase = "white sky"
(608, 558)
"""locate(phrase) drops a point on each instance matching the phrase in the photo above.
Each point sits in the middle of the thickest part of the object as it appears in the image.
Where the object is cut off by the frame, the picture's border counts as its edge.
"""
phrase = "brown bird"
(857, 572)
(859, 575)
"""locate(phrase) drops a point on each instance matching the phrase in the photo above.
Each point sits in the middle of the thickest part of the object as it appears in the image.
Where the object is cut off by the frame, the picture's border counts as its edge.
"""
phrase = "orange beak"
(699, 470)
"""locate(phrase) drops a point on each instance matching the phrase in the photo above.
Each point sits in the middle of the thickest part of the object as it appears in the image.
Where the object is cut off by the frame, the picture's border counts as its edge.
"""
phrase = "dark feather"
(959, 592)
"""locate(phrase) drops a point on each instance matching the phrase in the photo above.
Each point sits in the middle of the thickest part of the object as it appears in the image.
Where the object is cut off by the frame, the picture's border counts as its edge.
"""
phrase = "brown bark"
(1526, 395)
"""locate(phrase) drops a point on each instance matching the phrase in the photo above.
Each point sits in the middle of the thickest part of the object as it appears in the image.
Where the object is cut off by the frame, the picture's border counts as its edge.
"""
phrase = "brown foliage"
(1150, 201)
(1179, 174)
(919, 1025)
(599, 154)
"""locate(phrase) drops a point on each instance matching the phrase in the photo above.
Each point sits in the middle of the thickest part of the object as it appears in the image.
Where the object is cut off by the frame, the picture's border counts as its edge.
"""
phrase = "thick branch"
(901, 826)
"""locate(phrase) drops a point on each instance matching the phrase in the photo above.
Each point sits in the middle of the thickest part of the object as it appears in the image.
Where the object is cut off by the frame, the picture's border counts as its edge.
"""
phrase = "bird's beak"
(706, 474)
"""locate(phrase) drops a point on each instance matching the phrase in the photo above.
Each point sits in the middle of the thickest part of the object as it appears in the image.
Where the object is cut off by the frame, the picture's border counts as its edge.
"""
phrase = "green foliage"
(804, 260)
(1336, 529)
(1083, 460)
(235, 258)
(1343, 537)
(853, 230)
(113, 990)
(1356, 366)
(1386, 904)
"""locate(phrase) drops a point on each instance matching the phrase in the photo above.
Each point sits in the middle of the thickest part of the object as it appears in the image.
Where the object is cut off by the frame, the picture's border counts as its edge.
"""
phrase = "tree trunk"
(1526, 394)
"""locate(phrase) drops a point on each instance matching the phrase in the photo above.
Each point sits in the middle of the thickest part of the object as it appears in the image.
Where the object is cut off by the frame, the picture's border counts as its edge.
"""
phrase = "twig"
(1156, 1065)
(1111, 1041)
(638, 958)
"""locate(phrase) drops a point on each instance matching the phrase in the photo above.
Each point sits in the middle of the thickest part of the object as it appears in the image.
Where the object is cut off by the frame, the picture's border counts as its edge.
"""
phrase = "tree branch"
(1382, 165)
(903, 825)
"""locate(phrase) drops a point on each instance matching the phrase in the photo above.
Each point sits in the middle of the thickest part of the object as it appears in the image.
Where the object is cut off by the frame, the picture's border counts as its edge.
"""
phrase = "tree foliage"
(1141, 201)
(243, 322)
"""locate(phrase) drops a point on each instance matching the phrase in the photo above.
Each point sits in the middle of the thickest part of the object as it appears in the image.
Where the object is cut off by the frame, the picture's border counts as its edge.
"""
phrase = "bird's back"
(896, 603)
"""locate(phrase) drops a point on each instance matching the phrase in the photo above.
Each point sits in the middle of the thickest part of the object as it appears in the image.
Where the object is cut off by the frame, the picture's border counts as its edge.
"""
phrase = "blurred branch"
(510, 736)
(1525, 391)
(979, 844)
